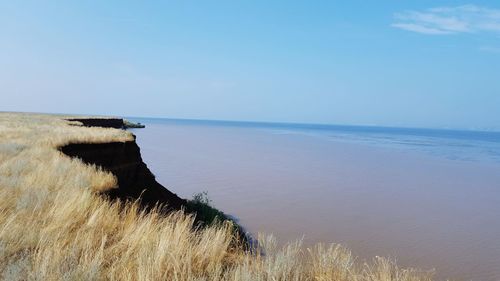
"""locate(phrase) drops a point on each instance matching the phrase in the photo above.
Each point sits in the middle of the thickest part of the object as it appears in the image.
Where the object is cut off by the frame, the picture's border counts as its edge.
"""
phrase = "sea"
(426, 198)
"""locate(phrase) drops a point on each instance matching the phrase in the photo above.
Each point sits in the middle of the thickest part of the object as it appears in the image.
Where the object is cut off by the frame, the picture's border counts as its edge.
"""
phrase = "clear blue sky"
(396, 63)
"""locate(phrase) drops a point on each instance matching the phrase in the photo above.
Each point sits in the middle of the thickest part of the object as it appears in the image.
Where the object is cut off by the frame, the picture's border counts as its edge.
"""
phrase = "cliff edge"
(135, 180)
(123, 159)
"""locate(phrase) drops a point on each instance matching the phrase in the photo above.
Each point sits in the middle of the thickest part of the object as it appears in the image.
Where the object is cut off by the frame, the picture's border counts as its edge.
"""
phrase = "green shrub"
(205, 212)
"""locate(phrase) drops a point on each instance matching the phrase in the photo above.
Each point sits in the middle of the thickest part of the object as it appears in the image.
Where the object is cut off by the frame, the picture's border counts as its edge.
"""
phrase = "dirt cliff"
(124, 160)
(116, 123)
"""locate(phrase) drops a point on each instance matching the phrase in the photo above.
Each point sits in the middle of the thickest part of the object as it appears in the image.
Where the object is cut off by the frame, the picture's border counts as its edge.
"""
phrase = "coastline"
(53, 200)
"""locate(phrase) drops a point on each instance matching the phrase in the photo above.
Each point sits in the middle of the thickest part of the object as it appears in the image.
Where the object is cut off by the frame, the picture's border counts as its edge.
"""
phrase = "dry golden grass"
(53, 225)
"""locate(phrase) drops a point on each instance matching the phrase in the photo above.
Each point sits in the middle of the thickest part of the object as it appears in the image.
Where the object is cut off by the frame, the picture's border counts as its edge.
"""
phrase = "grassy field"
(55, 226)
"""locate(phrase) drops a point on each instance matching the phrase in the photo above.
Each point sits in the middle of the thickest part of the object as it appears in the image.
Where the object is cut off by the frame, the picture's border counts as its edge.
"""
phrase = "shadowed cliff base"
(135, 180)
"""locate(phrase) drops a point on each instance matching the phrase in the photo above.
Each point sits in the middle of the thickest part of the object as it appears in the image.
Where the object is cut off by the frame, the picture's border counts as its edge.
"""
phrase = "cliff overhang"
(135, 180)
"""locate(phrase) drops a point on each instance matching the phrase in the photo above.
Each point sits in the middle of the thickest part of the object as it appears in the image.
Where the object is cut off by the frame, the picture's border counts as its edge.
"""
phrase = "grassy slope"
(53, 225)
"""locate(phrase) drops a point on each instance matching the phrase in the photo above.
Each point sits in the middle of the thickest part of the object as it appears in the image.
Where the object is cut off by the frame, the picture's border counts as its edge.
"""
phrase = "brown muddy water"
(427, 199)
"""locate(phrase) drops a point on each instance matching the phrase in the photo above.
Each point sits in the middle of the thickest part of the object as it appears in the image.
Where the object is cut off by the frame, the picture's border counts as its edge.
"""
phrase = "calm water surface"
(428, 198)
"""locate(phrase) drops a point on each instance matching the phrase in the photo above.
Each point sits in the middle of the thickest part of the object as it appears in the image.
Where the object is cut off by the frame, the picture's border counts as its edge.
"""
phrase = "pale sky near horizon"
(394, 63)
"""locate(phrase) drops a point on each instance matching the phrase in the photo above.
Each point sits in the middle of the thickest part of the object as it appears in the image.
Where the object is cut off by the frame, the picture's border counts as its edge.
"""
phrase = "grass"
(55, 226)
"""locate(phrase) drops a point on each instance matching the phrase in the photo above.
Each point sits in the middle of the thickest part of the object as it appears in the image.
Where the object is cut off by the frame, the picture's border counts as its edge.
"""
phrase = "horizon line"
(319, 124)
(274, 122)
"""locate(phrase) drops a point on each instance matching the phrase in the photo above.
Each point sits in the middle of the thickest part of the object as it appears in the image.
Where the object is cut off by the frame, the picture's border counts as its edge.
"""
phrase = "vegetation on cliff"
(129, 124)
(54, 225)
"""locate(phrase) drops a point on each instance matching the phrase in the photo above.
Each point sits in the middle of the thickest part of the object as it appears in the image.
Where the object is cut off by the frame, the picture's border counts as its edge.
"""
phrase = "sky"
(408, 63)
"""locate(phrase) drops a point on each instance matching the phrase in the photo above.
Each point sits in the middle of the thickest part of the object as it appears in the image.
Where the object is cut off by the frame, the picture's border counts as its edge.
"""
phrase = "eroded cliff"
(123, 159)
(135, 180)
(116, 123)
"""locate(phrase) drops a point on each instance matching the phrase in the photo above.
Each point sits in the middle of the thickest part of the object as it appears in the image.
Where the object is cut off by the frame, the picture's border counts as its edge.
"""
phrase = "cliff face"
(135, 180)
(116, 123)
(124, 160)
